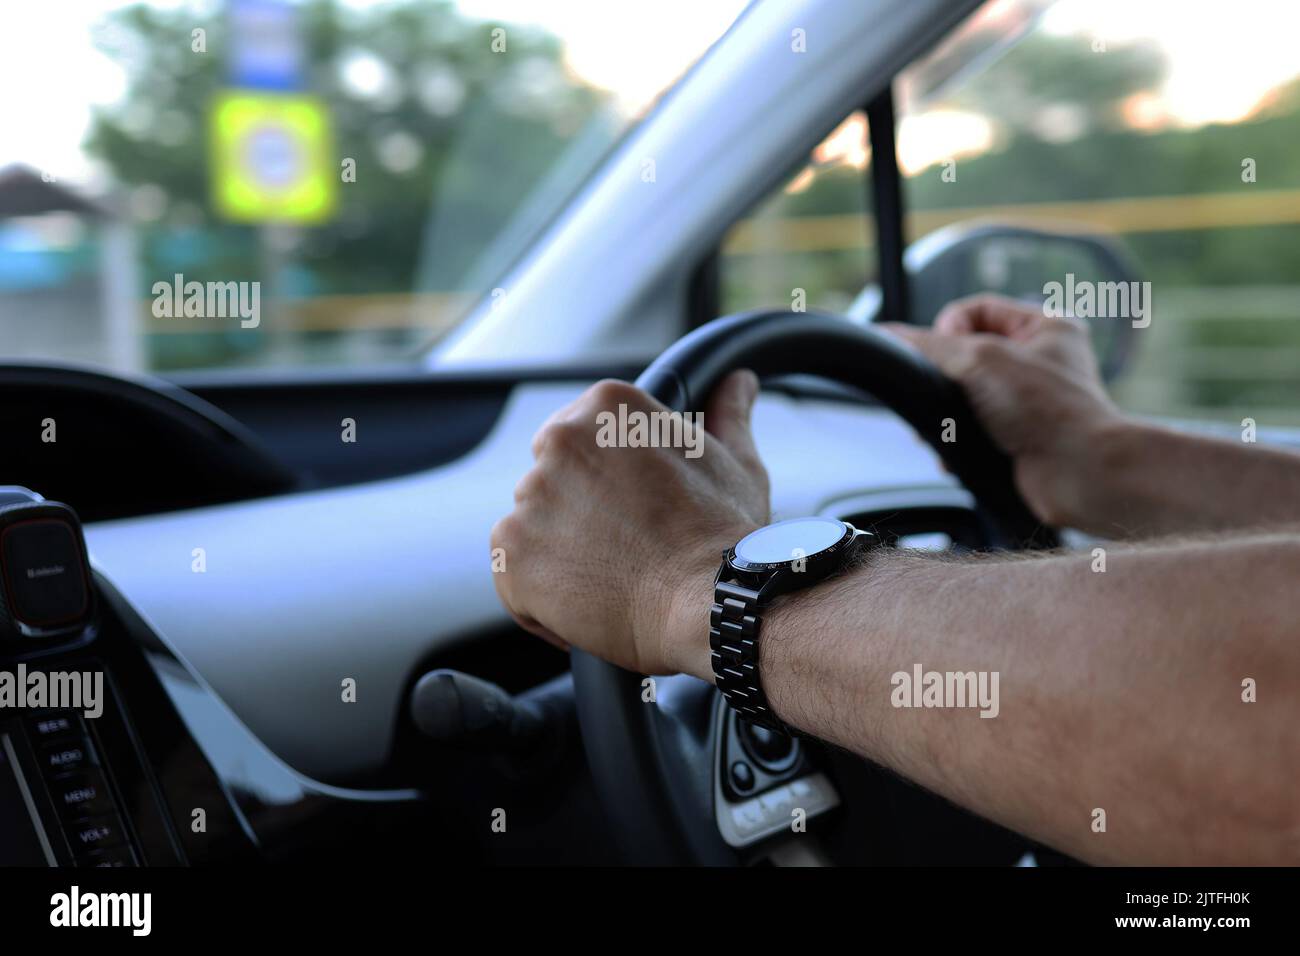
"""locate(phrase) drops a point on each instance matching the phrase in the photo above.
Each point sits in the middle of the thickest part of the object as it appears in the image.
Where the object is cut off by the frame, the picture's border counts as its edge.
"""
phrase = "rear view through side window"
(1083, 139)
(1173, 140)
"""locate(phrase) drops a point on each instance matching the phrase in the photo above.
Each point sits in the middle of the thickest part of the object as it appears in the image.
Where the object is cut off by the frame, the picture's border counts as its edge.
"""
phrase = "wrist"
(685, 638)
(679, 620)
(1078, 486)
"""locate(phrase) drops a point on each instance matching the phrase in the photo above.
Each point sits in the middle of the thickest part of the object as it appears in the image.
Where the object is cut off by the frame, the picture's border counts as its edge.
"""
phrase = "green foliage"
(445, 83)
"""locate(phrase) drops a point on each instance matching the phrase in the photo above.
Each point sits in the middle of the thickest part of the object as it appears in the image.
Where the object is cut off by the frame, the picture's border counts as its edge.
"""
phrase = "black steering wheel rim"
(636, 751)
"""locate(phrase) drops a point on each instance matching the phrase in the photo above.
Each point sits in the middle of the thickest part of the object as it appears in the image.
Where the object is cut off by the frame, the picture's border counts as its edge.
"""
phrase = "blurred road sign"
(272, 158)
(265, 45)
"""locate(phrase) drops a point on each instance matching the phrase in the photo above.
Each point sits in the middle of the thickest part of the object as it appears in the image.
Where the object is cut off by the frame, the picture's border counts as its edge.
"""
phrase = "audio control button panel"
(78, 789)
(69, 799)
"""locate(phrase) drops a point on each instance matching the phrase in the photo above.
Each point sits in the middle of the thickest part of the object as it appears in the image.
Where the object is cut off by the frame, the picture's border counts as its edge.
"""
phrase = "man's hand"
(1079, 461)
(613, 549)
(1033, 383)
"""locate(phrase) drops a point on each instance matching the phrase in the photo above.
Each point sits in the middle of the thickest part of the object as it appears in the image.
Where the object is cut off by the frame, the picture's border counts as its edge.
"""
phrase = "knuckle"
(546, 436)
(987, 350)
(570, 436)
(504, 532)
(557, 436)
(540, 440)
(1067, 326)
(533, 484)
(611, 391)
(976, 357)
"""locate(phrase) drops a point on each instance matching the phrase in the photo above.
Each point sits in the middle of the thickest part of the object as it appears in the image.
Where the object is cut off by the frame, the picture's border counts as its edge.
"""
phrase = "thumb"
(727, 414)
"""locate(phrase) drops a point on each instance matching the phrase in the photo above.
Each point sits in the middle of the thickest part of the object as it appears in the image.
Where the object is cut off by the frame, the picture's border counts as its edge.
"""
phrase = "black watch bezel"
(827, 555)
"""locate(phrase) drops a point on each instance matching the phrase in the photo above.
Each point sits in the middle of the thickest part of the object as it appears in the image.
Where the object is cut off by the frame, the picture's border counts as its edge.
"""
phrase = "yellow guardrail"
(1244, 207)
(436, 311)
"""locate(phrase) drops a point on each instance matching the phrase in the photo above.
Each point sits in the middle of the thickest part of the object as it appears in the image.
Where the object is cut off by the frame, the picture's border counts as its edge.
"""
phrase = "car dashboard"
(303, 591)
(261, 653)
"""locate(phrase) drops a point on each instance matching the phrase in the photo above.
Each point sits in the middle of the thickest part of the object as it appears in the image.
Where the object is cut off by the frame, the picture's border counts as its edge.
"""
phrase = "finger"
(563, 413)
(908, 333)
(987, 313)
(948, 352)
(505, 593)
(728, 411)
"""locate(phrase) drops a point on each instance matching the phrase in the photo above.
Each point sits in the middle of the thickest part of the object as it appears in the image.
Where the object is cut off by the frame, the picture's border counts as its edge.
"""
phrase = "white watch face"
(790, 540)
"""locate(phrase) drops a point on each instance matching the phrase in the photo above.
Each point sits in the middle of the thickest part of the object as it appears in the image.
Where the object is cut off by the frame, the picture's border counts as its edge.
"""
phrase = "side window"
(1176, 143)
(807, 244)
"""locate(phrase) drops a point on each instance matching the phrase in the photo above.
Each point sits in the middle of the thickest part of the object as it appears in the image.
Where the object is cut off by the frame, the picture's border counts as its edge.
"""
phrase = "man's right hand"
(1034, 385)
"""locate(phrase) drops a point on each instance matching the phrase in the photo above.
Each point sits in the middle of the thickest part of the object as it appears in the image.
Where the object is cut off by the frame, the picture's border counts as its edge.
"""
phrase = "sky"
(1223, 58)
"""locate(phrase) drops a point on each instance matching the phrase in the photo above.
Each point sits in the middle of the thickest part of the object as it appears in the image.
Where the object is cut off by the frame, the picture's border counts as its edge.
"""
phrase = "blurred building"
(68, 276)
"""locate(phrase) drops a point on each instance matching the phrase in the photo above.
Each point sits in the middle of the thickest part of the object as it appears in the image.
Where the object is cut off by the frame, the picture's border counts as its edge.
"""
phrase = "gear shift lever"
(457, 709)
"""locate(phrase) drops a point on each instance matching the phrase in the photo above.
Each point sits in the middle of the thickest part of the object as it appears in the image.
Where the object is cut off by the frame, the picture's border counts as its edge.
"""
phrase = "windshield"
(260, 182)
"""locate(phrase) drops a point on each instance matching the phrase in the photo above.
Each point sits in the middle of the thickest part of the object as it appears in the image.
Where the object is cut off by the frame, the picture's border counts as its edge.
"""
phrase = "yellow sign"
(272, 159)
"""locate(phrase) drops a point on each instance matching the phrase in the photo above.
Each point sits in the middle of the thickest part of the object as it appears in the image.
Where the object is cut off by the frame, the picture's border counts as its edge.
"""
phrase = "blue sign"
(266, 51)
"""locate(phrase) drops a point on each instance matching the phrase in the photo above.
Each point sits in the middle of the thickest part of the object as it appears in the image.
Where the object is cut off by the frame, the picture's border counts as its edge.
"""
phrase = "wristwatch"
(782, 557)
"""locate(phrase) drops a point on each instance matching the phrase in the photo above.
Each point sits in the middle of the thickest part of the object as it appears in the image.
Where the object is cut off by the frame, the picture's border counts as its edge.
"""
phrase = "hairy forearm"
(1118, 690)
(1143, 479)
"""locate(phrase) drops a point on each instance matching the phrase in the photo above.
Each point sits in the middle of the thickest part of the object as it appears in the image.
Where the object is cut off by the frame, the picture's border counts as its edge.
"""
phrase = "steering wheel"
(657, 763)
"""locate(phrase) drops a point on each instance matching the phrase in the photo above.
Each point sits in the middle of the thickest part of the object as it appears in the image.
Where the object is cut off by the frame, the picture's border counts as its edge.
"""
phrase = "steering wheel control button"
(770, 749)
(748, 817)
(749, 821)
(742, 776)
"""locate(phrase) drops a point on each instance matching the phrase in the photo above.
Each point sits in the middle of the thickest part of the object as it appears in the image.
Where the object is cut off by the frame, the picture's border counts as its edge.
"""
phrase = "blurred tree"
(402, 83)
(1056, 87)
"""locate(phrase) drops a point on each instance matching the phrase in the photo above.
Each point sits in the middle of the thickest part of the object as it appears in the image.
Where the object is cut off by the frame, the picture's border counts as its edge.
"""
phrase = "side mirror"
(1016, 261)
